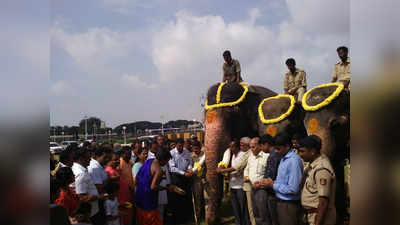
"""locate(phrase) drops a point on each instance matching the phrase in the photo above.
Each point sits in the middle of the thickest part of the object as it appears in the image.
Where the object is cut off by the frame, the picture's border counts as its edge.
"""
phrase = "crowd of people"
(143, 184)
(283, 180)
(268, 184)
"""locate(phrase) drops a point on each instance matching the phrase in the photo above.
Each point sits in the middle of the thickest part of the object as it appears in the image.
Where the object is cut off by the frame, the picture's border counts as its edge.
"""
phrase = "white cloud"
(62, 88)
(97, 45)
(316, 16)
(191, 46)
(134, 81)
(290, 35)
(185, 57)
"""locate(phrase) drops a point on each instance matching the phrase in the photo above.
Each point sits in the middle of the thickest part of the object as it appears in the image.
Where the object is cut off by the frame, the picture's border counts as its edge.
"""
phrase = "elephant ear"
(275, 109)
(321, 96)
(212, 94)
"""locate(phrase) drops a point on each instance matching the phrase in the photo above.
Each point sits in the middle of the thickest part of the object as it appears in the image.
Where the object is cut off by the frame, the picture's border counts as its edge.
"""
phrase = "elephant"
(222, 124)
(291, 120)
(327, 116)
(236, 115)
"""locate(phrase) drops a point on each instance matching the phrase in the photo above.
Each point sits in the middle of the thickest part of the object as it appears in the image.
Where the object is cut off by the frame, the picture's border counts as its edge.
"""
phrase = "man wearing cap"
(319, 184)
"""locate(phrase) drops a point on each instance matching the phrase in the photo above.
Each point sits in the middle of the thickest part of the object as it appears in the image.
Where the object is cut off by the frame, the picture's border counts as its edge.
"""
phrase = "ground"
(227, 217)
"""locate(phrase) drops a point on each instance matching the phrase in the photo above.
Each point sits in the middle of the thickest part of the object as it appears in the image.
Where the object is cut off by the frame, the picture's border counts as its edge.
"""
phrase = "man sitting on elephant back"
(341, 72)
(230, 69)
(295, 81)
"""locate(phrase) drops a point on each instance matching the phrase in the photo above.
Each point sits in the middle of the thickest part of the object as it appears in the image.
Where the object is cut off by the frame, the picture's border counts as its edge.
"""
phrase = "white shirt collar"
(183, 151)
(95, 163)
(79, 167)
(260, 154)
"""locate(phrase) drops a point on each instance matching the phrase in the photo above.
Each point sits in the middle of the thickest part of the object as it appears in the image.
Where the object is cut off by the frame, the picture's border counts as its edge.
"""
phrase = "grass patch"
(226, 214)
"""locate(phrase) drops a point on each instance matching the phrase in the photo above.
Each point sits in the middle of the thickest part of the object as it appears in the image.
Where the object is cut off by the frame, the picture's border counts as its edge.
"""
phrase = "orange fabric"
(145, 217)
(126, 172)
(124, 192)
(125, 195)
(68, 200)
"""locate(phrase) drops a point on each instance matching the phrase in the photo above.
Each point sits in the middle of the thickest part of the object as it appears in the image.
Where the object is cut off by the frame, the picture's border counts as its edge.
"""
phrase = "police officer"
(319, 184)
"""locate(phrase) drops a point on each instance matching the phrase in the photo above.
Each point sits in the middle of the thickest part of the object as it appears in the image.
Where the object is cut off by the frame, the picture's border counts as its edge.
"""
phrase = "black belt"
(288, 201)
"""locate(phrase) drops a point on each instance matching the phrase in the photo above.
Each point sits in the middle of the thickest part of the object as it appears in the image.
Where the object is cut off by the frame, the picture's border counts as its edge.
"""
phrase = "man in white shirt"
(96, 169)
(253, 173)
(181, 165)
(245, 147)
(84, 186)
(225, 159)
(238, 196)
(154, 148)
(65, 160)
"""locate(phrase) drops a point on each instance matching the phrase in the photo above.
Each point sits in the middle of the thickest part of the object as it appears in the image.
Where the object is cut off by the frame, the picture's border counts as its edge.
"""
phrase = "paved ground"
(227, 217)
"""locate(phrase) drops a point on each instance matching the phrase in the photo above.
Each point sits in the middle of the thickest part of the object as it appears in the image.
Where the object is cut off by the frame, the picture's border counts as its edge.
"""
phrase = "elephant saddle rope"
(219, 102)
(321, 96)
(275, 109)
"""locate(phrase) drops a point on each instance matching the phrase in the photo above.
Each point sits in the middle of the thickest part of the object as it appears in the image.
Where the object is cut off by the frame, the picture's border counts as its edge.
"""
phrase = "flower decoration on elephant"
(269, 113)
(220, 104)
(314, 103)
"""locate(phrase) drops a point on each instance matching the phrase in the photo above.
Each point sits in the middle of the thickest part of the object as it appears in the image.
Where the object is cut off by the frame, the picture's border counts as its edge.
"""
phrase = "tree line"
(93, 124)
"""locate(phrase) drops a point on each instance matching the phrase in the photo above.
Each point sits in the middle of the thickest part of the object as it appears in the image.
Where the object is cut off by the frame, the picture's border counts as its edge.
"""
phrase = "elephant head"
(281, 114)
(327, 116)
(231, 113)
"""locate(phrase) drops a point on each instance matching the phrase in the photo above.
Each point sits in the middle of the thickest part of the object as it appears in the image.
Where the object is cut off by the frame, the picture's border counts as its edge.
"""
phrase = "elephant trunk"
(217, 139)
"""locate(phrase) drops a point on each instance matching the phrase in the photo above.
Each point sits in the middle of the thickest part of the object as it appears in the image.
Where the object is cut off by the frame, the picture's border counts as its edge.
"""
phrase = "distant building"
(194, 126)
(102, 124)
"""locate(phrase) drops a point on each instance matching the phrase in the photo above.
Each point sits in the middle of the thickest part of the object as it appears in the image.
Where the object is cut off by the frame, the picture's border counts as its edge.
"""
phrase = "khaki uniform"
(341, 72)
(230, 71)
(319, 181)
(296, 84)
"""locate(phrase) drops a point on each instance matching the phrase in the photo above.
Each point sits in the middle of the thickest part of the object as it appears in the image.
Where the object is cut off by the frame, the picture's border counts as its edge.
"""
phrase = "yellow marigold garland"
(327, 101)
(219, 90)
(281, 117)
(218, 97)
(199, 168)
(222, 163)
